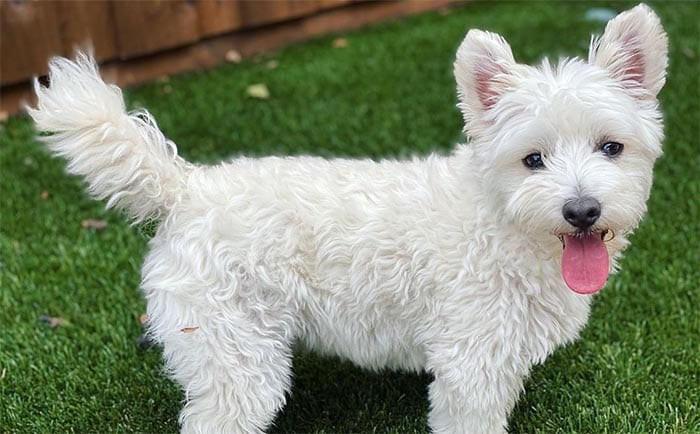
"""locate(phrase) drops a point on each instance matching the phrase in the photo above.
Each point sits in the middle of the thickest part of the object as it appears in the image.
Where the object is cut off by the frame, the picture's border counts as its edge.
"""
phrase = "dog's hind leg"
(235, 374)
(230, 350)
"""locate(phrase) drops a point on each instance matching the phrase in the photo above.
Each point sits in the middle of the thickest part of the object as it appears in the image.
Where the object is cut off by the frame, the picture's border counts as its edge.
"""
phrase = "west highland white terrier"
(473, 266)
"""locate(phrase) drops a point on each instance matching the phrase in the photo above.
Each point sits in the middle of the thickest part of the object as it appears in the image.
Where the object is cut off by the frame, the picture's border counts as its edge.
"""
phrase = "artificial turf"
(388, 93)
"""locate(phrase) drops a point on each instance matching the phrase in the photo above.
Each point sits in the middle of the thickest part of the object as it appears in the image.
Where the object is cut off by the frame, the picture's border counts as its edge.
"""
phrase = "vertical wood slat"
(328, 4)
(87, 23)
(35, 31)
(256, 13)
(144, 27)
(299, 8)
(30, 35)
(218, 16)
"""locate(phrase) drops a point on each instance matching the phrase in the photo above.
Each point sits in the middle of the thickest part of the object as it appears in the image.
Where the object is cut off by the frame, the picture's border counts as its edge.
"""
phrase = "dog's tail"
(123, 157)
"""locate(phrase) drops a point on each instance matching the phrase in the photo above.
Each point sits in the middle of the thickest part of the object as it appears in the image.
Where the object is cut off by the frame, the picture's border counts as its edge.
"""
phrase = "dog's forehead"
(571, 81)
(571, 97)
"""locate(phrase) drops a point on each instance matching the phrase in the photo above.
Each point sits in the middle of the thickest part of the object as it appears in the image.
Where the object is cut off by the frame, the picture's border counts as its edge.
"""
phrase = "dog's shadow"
(330, 395)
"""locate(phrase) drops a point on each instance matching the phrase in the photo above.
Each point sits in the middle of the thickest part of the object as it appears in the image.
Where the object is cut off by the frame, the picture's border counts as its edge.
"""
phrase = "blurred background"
(144, 40)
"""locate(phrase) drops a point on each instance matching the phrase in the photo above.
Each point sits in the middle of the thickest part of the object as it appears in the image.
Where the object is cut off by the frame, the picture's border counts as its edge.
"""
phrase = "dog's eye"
(611, 149)
(534, 161)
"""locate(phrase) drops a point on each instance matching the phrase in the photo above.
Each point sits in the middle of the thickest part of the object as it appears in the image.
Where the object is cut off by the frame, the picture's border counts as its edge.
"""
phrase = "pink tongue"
(584, 264)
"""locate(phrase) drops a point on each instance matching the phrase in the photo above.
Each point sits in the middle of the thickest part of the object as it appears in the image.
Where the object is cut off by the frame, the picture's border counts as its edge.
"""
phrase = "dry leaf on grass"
(258, 90)
(145, 340)
(53, 321)
(340, 43)
(272, 64)
(44, 195)
(97, 225)
(233, 56)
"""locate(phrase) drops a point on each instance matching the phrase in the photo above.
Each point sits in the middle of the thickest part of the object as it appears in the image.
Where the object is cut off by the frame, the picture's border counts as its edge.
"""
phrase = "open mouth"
(605, 235)
(585, 263)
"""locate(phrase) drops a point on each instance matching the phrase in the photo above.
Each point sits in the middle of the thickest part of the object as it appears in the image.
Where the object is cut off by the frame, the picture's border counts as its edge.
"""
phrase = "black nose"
(582, 212)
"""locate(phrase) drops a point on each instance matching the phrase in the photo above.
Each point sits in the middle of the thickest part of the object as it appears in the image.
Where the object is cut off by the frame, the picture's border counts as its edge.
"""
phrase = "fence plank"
(298, 8)
(149, 26)
(218, 16)
(30, 35)
(328, 4)
(255, 12)
(85, 23)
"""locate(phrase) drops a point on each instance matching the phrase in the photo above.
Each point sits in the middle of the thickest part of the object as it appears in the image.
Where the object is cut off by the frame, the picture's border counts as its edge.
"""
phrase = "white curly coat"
(447, 264)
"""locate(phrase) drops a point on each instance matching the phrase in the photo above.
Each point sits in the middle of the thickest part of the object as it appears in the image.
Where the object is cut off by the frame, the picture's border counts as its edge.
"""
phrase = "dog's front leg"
(473, 392)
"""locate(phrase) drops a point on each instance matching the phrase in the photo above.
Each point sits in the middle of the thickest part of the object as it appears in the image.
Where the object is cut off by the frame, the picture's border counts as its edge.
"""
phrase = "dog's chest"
(539, 310)
(554, 321)
(515, 304)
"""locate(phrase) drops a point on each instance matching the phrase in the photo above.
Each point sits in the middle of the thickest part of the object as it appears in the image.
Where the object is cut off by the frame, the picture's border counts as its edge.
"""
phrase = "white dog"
(449, 264)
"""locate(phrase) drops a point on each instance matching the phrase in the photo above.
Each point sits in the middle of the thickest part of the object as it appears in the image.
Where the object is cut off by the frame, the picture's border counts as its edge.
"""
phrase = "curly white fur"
(124, 158)
(448, 264)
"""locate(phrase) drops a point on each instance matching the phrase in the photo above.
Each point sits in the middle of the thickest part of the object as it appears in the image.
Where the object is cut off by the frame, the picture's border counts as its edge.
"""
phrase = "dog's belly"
(366, 340)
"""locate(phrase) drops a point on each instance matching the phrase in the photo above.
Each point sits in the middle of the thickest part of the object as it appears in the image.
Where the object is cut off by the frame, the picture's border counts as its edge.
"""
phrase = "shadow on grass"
(331, 395)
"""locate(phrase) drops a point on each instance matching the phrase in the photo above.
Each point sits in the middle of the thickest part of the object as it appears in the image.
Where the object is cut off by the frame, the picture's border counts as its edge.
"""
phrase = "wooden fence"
(141, 40)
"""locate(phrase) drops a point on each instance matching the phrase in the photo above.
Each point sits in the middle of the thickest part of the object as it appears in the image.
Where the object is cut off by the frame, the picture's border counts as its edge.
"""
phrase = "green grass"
(390, 92)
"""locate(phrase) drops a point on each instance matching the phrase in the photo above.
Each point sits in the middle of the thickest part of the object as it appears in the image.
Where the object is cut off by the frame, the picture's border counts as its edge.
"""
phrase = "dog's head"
(566, 151)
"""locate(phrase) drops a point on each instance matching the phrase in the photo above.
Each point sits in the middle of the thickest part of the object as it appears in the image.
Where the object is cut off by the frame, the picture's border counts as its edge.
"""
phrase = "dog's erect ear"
(634, 49)
(483, 65)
